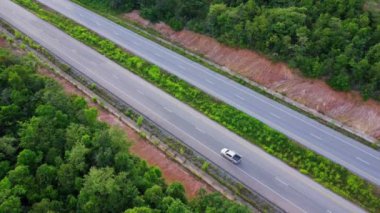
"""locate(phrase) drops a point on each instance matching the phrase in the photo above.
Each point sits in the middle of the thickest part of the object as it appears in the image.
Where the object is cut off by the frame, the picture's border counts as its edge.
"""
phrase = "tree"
(77, 133)
(153, 196)
(6, 58)
(340, 81)
(5, 189)
(90, 115)
(153, 176)
(177, 191)
(23, 183)
(9, 115)
(40, 134)
(7, 148)
(46, 205)
(66, 179)
(46, 175)
(178, 206)
(373, 55)
(214, 202)
(139, 210)
(77, 157)
(165, 203)
(4, 168)
(123, 162)
(12, 205)
(28, 158)
(57, 157)
(102, 191)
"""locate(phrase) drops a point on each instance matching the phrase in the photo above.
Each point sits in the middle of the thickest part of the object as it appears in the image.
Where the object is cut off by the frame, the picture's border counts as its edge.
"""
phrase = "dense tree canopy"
(55, 156)
(336, 40)
(322, 170)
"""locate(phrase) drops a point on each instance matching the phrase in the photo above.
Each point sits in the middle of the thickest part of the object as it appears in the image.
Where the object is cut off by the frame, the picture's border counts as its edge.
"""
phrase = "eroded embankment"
(346, 107)
(171, 171)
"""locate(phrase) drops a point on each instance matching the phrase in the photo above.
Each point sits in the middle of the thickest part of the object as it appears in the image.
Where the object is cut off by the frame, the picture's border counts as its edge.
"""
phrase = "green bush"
(322, 170)
(205, 166)
(139, 121)
(323, 39)
(55, 156)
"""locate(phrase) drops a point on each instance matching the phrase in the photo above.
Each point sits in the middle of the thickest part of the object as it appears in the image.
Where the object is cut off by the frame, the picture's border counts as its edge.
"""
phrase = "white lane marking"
(275, 115)
(167, 109)
(281, 181)
(328, 211)
(115, 32)
(306, 122)
(209, 81)
(134, 42)
(334, 137)
(316, 136)
(81, 15)
(277, 107)
(192, 64)
(359, 159)
(262, 99)
(238, 96)
(295, 205)
(196, 140)
(212, 151)
(139, 91)
(200, 130)
(177, 56)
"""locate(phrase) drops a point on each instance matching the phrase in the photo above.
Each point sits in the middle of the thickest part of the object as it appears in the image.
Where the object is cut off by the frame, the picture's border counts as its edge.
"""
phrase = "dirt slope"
(347, 108)
(171, 171)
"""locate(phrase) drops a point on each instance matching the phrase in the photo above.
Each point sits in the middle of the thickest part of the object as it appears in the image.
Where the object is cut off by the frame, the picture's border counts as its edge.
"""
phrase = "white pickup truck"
(231, 155)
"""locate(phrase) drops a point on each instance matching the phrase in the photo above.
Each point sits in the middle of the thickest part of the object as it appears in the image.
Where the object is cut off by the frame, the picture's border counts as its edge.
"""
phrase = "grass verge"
(155, 36)
(322, 170)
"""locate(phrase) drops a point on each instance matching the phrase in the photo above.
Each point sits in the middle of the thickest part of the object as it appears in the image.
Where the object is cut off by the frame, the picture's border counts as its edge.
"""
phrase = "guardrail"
(163, 139)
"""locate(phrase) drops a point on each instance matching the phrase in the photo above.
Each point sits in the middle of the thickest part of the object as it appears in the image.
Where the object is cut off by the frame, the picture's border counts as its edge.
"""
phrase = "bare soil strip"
(171, 171)
(345, 107)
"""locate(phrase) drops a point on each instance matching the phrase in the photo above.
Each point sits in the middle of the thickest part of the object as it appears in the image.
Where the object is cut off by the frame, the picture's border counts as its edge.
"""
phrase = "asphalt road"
(341, 149)
(260, 171)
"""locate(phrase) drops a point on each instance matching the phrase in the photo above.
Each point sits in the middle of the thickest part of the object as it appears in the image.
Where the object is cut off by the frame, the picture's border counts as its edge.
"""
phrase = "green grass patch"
(322, 170)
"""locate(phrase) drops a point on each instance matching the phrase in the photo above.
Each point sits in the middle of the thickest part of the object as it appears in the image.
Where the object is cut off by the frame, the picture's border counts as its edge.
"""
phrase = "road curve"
(341, 149)
(263, 173)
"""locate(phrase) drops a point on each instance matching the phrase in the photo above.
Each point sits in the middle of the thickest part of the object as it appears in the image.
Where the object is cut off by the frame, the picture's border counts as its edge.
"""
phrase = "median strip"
(322, 170)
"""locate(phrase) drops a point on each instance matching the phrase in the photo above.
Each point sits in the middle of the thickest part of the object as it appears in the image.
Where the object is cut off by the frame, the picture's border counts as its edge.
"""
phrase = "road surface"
(260, 171)
(357, 157)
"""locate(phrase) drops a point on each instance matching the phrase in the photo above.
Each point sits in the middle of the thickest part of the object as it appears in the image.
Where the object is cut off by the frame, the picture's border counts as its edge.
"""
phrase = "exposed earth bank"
(171, 171)
(346, 107)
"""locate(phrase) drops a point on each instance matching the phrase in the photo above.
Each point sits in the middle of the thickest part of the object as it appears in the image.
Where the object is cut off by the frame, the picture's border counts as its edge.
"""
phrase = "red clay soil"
(171, 171)
(347, 108)
(3, 43)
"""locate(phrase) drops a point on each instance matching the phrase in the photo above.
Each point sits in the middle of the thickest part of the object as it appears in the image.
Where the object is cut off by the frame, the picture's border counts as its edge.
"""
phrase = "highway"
(341, 149)
(260, 171)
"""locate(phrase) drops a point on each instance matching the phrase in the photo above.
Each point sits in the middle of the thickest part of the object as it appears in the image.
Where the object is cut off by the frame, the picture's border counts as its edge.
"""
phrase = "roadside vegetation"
(322, 170)
(336, 40)
(55, 156)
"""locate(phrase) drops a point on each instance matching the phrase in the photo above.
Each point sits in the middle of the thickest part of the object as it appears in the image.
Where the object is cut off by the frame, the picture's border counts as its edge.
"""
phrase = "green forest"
(55, 156)
(322, 170)
(335, 40)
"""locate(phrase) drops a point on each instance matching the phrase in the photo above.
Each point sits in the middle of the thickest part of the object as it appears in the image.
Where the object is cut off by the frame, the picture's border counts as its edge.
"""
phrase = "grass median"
(321, 169)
